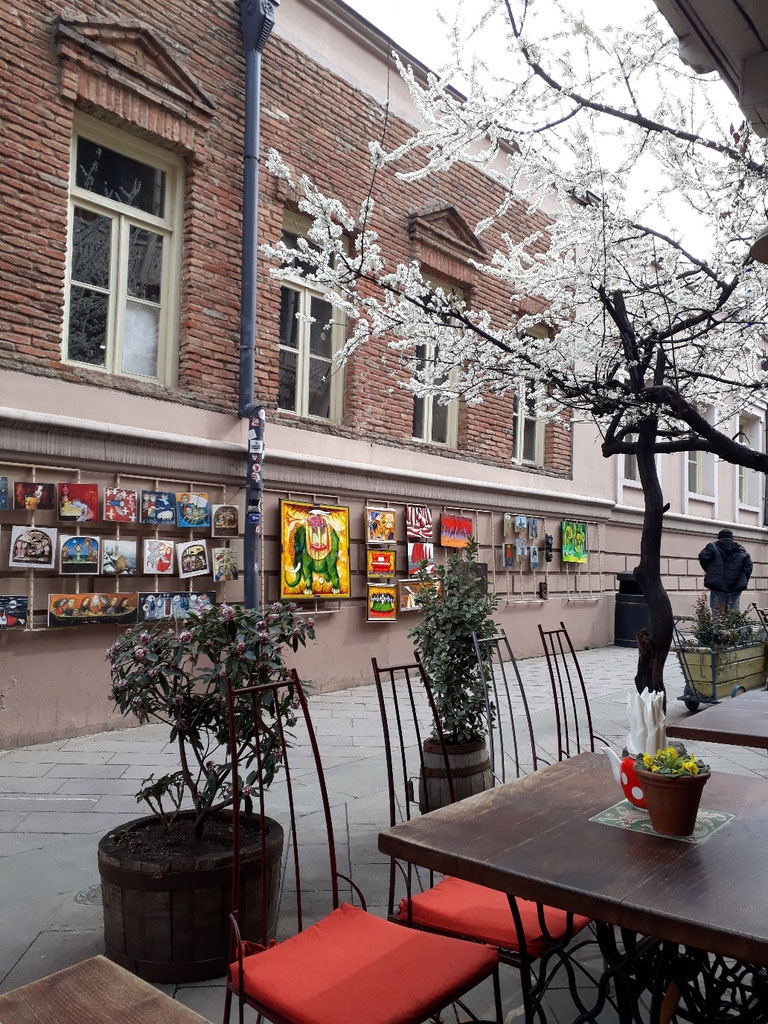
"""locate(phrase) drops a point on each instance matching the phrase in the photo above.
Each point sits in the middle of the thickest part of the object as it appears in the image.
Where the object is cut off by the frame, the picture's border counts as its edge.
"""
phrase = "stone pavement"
(57, 799)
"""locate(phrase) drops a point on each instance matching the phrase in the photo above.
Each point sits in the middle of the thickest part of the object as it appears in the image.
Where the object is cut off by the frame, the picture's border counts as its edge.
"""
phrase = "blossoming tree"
(651, 333)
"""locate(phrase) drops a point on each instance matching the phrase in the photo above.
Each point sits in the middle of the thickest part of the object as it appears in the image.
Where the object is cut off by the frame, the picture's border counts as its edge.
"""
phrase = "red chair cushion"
(352, 966)
(466, 909)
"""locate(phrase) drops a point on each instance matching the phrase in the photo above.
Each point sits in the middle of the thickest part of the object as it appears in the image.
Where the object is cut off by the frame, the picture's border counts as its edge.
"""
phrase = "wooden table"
(742, 720)
(95, 991)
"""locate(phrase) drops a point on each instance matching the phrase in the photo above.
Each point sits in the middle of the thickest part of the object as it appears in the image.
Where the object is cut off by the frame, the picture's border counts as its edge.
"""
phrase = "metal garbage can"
(632, 613)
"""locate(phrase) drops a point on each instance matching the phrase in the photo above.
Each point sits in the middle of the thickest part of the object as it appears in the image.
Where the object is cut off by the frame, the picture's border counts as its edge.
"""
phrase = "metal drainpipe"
(257, 19)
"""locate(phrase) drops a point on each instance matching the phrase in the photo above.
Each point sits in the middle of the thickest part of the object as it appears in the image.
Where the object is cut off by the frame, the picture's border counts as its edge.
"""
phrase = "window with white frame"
(631, 468)
(126, 215)
(701, 468)
(528, 428)
(435, 421)
(748, 479)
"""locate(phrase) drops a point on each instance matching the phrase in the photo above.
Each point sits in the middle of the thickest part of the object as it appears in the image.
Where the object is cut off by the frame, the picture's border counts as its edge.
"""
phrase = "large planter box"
(739, 666)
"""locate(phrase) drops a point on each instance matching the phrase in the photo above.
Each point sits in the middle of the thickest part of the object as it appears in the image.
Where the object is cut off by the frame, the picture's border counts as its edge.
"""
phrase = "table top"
(95, 991)
(742, 721)
(533, 838)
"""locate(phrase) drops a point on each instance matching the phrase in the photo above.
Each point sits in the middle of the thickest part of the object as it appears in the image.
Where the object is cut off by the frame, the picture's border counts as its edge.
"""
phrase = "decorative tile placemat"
(626, 815)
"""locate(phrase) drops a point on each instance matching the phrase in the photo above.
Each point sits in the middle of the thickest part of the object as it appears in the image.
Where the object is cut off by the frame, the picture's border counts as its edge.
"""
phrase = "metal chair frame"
(569, 694)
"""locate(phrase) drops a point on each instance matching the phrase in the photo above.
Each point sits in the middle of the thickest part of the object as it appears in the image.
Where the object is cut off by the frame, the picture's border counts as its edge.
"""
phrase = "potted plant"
(721, 653)
(672, 781)
(454, 602)
(166, 878)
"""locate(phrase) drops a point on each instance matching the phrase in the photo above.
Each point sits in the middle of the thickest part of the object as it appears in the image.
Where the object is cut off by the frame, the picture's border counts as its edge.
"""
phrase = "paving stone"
(24, 769)
(37, 785)
(99, 787)
(26, 803)
(69, 823)
(86, 771)
(52, 951)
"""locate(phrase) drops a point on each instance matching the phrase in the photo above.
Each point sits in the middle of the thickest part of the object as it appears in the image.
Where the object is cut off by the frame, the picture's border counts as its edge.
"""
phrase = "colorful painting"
(314, 551)
(120, 505)
(418, 522)
(192, 556)
(224, 561)
(455, 531)
(574, 541)
(85, 609)
(118, 557)
(158, 556)
(409, 590)
(158, 508)
(174, 605)
(521, 547)
(192, 509)
(225, 520)
(419, 552)
(32, 547)
(509, 555)
(4, 495)
(533, 528)
(380, 562)
(509, 528)
(382, 602)
(380, 525)
(34, 496)
(79, 556)
(521, 523)
(14, 610)
(534, 556)
(78, 503)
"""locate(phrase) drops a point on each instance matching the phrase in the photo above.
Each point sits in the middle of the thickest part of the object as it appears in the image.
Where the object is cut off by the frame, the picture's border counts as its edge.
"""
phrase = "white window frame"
(170, 226)
(745, 479)
(705, 468)
(521, 408)
(452, 419)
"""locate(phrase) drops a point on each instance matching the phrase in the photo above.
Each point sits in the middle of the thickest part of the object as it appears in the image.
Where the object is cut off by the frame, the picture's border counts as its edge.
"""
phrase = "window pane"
(418, 418)
(117, 177)
(320, 330)
(289, 307)
(142, 328)
(631, 471)
(286, 390)
(319, 388)
(87, 331)
(145, 264)
(91, 233)
(529, 440)
(439, 422)
(693, 472)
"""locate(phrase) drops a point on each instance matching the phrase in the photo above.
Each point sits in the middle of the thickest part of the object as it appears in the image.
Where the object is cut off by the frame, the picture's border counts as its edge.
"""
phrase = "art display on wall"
(79, 556)
(521, 547)
(120, 505)
(225, 520)
(158, 556)
(158, 508)
(418, 522)
(455, 531)
(118, 557)
(34, 496)
(534, 556)
(224, 562)
(380, 562)
(380, 525)
(193, 509)
(533, 528)
(14, 611)
(314, 561)
(192, 558)
(549, 541)
(409, 590)
(508, 554)
(78, 503)
(86, 609)
(32, 547)
(574, 541)
(4, 495)
(521, 523)
(419, 552)
(174, 605)
(509, 528)
(382, 602)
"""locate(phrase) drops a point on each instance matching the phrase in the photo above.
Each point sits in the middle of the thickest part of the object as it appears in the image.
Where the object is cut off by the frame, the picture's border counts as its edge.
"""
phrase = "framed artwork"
(521, 547)
(225, 520)
(419, 552)
(79, 556)
(314, 551)
(192, 556)
(509, 528)
(120, 506)
(521, 523)
(34, 496)
(85, 609)
(574, 541)
(380, 525)
(32, 547)
(382, 602)
(418, 522)
(158, 556)
(509, 555)
(224, 561)
(78, 503)
(455, 531)
(380, 562)
(534, 556)
(408, 593)
(192, 509)
(4, 495)
(543, 590)
(533, 528)
(118, 557)
(14, 611)
(174, 605)
(158, 508)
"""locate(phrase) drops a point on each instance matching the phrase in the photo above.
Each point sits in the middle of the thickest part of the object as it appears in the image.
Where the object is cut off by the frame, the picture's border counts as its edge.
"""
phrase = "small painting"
(574, 540)
(521, 523)
(380, 562)
(118, 557)
(543, 590)
(382, 602)
(509, 528)
(4, 495)
(79, 556)
(418, 522)
(521, 547)
(225, 520)
(533, 528)
(120, 505)
(508, 554)
(192, 556)
(455, 531)
(174, 605)
(158, 556)
(158, 508)
(34, 497)
(534, 556)
(314, 551)
(418, 552)
(380, 525)
(78, 503)
(192, 509)
(224, 561)
(32, 547)
(409, 590)
(86, 609)
(14, 610)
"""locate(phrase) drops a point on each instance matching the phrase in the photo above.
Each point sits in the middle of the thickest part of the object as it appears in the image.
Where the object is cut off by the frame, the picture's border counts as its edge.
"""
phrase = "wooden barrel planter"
(167, 921)
(470, 769)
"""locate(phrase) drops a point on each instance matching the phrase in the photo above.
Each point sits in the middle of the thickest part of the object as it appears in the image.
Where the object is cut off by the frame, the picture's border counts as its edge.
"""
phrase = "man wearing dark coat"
(727, 568)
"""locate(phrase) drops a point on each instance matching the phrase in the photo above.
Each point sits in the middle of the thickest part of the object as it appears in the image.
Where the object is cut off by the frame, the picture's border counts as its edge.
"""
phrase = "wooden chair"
(573, 717)
(349, 965)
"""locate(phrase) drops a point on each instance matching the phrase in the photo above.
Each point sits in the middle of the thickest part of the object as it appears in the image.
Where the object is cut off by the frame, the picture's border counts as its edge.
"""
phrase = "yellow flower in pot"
(672, 781)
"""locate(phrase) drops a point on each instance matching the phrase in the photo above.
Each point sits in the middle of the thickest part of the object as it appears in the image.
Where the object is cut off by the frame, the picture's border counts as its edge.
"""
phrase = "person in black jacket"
(727, 568)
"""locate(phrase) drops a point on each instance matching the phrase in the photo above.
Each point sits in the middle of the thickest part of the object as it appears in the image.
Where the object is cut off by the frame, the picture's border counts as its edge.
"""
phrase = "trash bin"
(632, 613)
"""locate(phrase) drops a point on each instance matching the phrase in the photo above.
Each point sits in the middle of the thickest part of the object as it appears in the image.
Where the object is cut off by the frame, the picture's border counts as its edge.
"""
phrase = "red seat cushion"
(352, 966)
(464, 908)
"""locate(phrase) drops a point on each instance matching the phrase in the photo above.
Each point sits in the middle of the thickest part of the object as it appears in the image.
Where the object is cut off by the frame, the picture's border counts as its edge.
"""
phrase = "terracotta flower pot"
(672, 801)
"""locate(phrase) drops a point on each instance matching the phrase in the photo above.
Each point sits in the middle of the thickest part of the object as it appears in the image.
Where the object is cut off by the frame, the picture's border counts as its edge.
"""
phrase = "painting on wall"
(192, 509)
(314, 551)
(380, 525)
(192, 557)
(120, 505)
(508, 554)
(574, 541)
(34, 496)
(382, 602)
(14, 611)
(380, 562)
(533, 528)
(174, 605)
(79, 556)
(509, 528)
(78, 503)
(225, 520)
(32, 547)
(409, 590)
(418, 522)
(521, 547)
(455, 531)
(4, 495)
(534, 556)
(118, 557)
(158, 508)
(224, 562)
(85, 609)
(521, 523)
(158, 556)
(419, 552)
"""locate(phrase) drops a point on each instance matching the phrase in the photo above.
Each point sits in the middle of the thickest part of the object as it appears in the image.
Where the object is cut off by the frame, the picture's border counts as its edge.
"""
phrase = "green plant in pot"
(166, 877)
(672, 781)
(454, 602)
